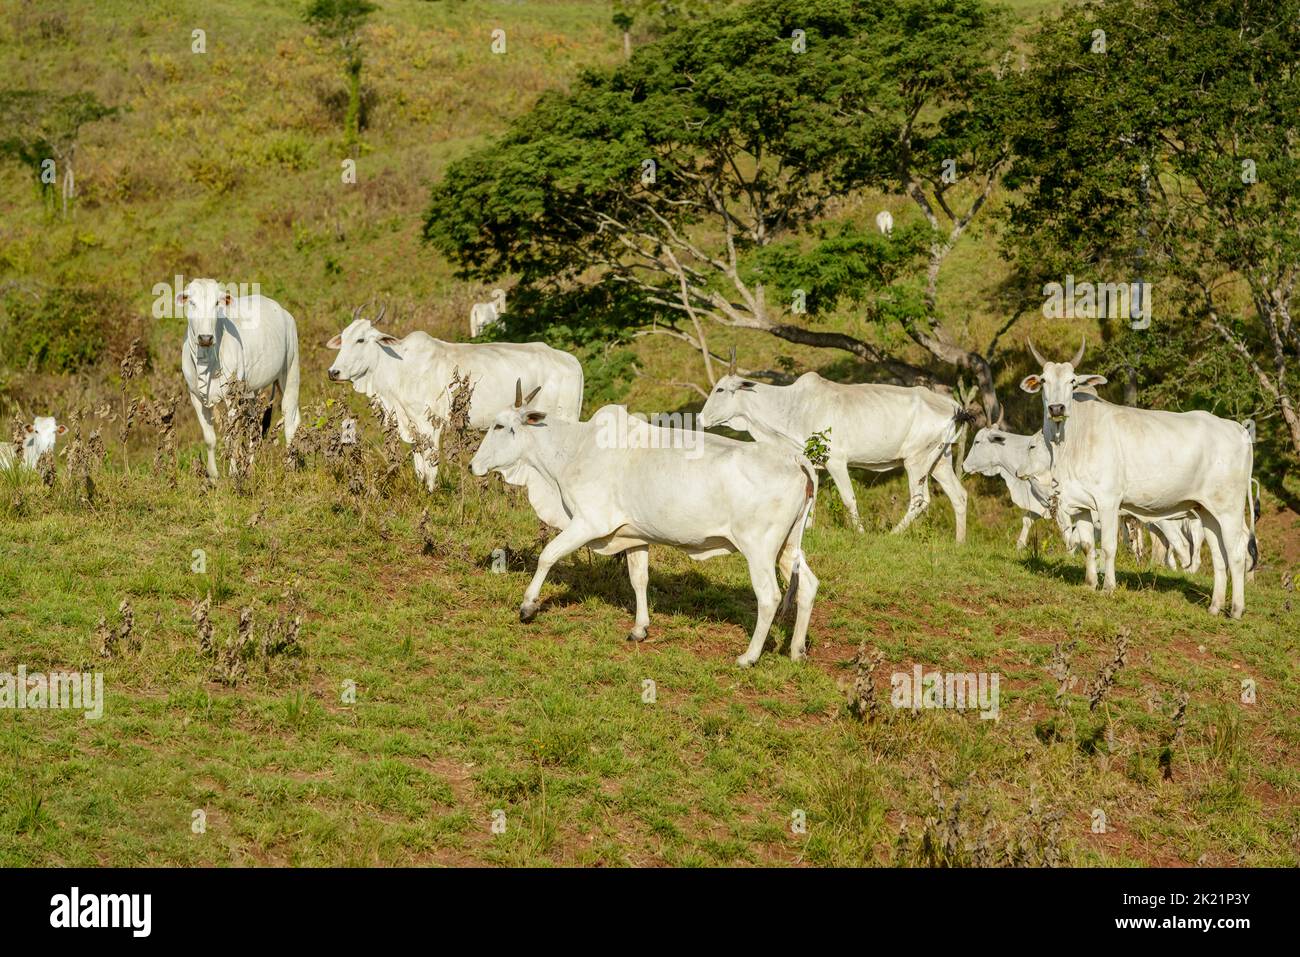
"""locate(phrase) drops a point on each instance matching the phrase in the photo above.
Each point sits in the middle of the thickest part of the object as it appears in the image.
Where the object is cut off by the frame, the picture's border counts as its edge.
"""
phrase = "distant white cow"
(1097, 458)
(38, 438)
(885, 221)
(411, 377)
(234, 346)
(876, 427)
(484, 314)
(612, 484)
(1005, 455)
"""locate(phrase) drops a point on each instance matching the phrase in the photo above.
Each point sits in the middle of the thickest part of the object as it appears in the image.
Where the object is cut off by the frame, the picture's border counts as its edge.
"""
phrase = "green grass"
(461, 711)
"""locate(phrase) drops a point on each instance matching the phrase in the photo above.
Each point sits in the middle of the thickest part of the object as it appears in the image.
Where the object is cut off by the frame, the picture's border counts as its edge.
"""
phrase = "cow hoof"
(1215, 609)
(800, 656)
(527, 612)
(745, 661)
(1237, 613)
(635, 635)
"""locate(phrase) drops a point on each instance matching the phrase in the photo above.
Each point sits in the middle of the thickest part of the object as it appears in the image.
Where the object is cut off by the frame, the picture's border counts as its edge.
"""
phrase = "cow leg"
(1161, 551)
(638, 571)
(762, 575)
(918, 492)
(1233, 537)
(952, 487)
(1219, 558)
(839, 473)
(1085, 537)
(1196, 534)
(806, 591)
(1026, 523)
(289, 401)
(567, 542)
(209, 434)
(1109, 521)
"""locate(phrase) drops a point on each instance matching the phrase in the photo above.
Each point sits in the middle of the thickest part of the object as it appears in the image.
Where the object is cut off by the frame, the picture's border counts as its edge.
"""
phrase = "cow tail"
(1252, 496)
(800, 522)
(270, 409)
(955, 438)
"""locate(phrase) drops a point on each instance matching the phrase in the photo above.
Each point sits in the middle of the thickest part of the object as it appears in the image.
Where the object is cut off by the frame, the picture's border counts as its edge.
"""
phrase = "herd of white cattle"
(618, 483)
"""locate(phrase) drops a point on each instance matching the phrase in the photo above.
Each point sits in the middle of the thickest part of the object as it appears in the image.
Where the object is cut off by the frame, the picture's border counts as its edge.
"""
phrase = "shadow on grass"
(1196, 592)
(586, 576)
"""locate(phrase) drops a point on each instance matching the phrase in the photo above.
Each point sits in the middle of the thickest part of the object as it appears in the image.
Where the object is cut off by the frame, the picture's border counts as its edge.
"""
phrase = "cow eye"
(361, 340)
(496, 427)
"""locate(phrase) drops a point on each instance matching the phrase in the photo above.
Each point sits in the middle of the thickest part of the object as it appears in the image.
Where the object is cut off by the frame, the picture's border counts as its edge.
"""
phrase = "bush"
(63, 330)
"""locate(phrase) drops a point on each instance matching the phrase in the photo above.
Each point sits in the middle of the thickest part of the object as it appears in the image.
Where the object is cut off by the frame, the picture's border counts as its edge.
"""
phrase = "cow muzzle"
(335, 375)
(1056, 412)
(205, 342)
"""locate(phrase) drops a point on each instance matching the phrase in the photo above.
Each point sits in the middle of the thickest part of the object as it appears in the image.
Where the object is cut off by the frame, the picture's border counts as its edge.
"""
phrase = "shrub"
(62, 330)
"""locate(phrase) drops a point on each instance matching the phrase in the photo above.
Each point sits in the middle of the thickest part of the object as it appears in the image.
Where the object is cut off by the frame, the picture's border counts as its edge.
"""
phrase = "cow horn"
(519, 393)
(356, 313)
(380, 318)
(731, 369)
(1034, 352)
(1078, 356)
(532, 395)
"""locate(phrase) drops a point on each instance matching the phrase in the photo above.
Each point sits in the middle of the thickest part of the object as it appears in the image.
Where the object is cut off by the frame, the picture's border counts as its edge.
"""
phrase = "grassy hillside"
(227, 163)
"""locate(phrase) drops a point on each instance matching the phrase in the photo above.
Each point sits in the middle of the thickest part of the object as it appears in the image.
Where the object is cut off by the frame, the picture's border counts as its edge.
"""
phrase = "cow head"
(988, 453)
(510, 435)
(1058, 382)
(39, 438)
(204, 303)
(359, 347)
(727, 403)
(1035, 463)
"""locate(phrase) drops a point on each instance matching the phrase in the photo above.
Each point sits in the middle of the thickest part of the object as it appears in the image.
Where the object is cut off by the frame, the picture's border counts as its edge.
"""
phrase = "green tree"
(340, 22)
(695, 179)
(41, 127)
(1160, 136)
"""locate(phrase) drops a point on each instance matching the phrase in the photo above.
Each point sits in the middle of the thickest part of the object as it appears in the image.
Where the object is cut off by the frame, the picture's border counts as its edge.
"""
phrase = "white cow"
(1005, 455)
(236, 345)
(876, 427)
(885, 221)
(411, 377)
(38, 438)
(484, 314)
(1097, 458)
(621, 484)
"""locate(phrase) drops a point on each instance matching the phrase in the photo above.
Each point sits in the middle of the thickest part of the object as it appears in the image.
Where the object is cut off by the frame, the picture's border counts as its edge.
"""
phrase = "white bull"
(612, 484)
(875, 427)
(1105, 459)
(1005, 455)
(38, 438)
(411, 377)
(236, 345)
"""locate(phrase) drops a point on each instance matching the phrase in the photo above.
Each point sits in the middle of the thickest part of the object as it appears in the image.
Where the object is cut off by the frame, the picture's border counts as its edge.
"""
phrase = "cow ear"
(28, 429)
(1031, 383)
(61, 430)
(387, 341)
(748, 386)
(226, 299)
(182, 299)
(335, 343)
(1090, 380)
(534, 418)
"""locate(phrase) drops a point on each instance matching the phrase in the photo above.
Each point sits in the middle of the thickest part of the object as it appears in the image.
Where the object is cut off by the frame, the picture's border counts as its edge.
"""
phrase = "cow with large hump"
(233, 345)
(1004, 455)
(618, 484)
(875, 427)
(411, 378)
(1102, 459)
